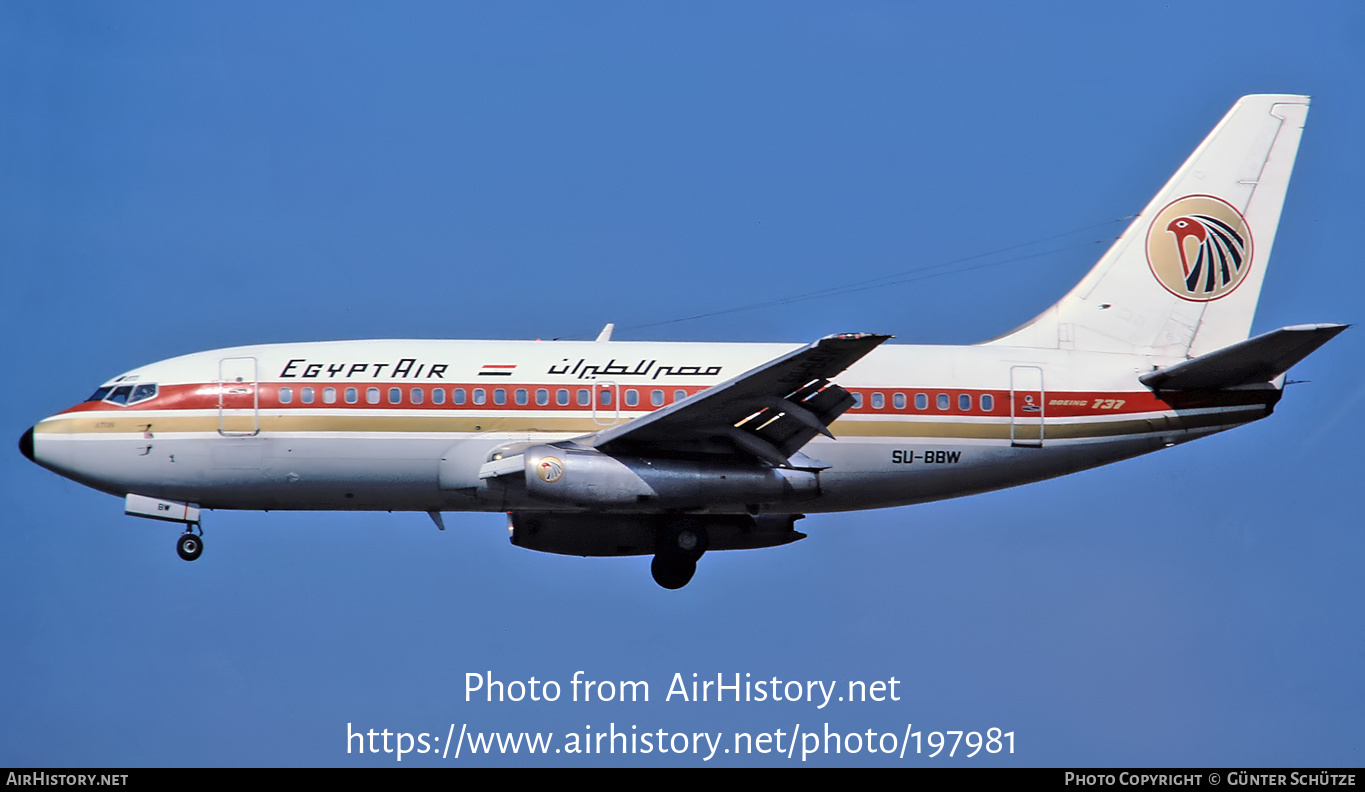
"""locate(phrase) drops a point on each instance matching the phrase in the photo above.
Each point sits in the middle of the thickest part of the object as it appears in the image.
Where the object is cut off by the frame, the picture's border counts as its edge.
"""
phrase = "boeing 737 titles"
(610, 448)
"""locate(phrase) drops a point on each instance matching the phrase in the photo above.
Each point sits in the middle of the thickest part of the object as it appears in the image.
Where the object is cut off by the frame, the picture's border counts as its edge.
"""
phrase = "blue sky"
(180, 177)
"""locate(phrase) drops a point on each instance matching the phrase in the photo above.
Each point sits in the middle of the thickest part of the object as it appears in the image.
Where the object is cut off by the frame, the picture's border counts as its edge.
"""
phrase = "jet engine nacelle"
(643, 534)
(587, 477)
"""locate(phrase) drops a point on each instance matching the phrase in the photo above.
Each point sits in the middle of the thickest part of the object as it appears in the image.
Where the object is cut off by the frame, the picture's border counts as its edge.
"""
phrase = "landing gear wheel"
(672, 571)
(687, 539)
(189, 546)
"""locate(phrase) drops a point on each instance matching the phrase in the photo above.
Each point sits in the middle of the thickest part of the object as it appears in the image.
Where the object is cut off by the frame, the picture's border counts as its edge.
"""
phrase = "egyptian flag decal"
(497, 370)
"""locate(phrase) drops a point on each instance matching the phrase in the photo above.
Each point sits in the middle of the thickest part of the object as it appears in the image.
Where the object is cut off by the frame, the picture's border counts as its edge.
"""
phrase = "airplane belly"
(897, 472)
(328, 473)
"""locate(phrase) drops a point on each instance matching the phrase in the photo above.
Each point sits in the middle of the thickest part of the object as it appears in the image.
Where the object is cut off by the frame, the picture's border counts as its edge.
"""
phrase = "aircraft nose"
(26, 444)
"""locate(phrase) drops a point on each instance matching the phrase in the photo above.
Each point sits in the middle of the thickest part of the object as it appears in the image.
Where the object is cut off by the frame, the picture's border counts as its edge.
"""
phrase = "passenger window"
(679, 395)
(520, 395)
(632, 397)
(372, 395)
(987, 402)
(943, 402)
(307, 394)
(542, 396)
(352, 395)
(329, 395)
(964, 402)
(656, 398)
(921, 401)
(562, 397)
(898, 401)
(286, 395)
(417, 396)
(499, 396)
(877, 401)
(479, 396)
(395, 395)
(438, 395)
(857, 401)
(457, 396)
(583, 398)
(606, 397)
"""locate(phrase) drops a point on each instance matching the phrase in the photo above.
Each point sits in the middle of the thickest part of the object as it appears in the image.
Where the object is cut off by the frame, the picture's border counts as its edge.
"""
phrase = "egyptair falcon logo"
(1199, 248)
(550, 470)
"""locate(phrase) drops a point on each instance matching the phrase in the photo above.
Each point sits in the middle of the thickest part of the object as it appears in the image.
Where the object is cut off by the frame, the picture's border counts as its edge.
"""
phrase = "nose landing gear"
(190, 545)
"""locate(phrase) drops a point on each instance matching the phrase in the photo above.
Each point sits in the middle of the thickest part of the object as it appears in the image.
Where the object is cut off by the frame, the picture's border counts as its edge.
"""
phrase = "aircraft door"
(606, 403)
(1026, 407)
(238, 397)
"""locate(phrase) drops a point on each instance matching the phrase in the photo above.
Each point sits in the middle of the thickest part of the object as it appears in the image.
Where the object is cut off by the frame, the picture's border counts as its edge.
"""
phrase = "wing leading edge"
(767, 413)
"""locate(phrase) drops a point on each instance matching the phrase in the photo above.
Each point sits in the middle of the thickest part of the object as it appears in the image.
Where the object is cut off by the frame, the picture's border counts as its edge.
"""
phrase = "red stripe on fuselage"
(1055, 404)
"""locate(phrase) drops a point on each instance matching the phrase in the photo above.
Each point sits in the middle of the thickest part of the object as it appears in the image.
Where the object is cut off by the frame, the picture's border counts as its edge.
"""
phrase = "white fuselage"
(407, 425)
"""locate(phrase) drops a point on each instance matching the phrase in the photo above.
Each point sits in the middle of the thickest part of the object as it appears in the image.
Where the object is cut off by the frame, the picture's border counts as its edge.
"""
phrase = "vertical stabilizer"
(1184, 278)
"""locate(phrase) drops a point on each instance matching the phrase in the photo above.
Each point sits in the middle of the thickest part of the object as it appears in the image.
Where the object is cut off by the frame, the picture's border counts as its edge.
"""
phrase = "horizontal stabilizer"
(1254, 360)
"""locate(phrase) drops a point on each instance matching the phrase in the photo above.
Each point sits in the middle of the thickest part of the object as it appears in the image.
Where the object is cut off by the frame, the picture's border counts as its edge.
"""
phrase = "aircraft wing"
(767, 413)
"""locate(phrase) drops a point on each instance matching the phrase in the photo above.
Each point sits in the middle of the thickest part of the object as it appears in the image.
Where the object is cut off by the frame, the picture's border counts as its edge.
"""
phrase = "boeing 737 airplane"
(609, 448)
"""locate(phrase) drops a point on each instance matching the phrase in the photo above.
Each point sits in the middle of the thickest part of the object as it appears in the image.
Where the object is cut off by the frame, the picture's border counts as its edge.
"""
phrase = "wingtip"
(1332, 327)
(878, 337)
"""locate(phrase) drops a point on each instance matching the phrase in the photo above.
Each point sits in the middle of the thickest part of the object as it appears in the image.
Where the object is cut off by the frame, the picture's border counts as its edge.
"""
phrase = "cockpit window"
(125, 395)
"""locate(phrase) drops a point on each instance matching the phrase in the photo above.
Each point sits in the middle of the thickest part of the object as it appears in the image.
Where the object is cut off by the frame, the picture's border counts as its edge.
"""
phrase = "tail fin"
(1184, 278)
